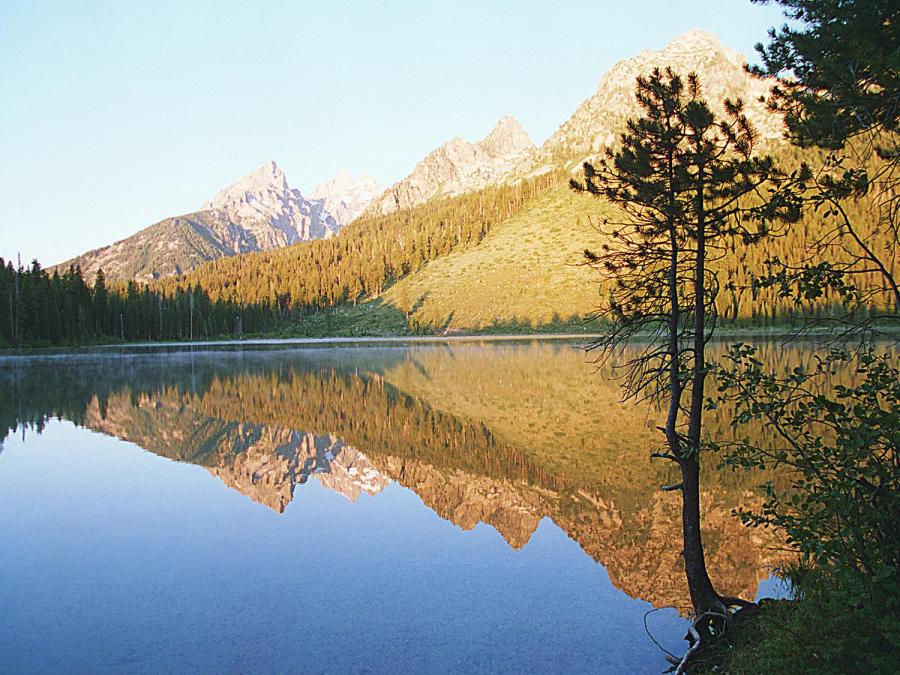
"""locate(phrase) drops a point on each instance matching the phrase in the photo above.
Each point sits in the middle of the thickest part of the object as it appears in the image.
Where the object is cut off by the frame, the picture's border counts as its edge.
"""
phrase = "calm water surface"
(419, 508)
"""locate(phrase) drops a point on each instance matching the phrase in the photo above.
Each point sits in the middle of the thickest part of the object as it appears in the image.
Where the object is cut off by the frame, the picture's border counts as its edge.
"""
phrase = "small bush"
(833, 626)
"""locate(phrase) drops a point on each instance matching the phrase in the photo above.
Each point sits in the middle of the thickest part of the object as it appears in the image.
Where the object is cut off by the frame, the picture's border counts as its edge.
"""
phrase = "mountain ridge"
(258, 212)
(459, 166)
(346, 196)
(261, 212)
(599, 119)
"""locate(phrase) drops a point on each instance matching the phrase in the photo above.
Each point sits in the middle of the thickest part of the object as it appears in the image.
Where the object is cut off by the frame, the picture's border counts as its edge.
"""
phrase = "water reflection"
(500, 435)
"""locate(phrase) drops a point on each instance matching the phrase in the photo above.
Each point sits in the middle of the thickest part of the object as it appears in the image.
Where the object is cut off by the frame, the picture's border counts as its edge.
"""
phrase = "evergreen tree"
(843, 61)
(842, 65)
(838, 442)
(100, 305)
(685, 183)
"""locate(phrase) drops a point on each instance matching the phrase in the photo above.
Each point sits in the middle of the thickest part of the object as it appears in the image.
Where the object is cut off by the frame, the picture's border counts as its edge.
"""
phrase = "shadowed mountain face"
(504, 436)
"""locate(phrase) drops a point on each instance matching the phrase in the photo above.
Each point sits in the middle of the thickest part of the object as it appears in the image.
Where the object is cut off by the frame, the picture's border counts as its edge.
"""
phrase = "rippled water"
(477, 507)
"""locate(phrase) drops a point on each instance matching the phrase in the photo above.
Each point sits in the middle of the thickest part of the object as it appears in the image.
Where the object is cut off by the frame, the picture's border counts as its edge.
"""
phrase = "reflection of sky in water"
(116, 559)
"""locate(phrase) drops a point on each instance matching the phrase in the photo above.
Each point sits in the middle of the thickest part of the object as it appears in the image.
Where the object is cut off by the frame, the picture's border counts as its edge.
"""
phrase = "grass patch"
(524, 275)
(834, 626)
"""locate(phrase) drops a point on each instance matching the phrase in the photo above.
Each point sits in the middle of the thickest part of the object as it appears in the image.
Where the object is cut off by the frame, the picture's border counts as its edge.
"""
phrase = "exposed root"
(708, 630)
(695, 645)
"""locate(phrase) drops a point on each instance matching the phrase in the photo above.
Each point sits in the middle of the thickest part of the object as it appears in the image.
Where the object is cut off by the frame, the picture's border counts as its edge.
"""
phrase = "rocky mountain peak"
(508, 137)
(269, 168)
(695, 38)
(598, 121)
(344, 181)
(258, 212)
(264, 186)
(269, 173)
(273, 213)
(460, 166)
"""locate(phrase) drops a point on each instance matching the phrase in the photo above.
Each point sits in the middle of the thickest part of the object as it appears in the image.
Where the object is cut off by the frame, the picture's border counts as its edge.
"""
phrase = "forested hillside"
(370, 254)
(38, 308)
(506, 257)
(501, 257)
(251, 293)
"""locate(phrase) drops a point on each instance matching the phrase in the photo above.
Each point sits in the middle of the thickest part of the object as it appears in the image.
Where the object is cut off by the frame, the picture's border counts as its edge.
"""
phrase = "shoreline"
(363, 340)
(343, 339)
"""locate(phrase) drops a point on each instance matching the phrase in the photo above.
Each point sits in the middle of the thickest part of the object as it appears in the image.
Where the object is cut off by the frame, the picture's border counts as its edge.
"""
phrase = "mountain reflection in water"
(501, 435)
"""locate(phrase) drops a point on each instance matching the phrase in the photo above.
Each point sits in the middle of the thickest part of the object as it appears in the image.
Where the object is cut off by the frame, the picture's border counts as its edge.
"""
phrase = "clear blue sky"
(114, 115)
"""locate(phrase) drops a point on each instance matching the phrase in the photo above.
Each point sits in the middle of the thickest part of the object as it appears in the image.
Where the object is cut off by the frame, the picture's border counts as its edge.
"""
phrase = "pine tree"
(684, 182)
(100, 304)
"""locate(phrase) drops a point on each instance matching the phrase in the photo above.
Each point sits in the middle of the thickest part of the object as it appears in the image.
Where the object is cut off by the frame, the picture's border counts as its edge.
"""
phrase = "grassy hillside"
(503, 259)
(524, 272)
(525, 275)
(370, 254)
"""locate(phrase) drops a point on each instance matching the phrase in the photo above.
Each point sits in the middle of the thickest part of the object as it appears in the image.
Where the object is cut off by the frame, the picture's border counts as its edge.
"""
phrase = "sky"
(115, 115)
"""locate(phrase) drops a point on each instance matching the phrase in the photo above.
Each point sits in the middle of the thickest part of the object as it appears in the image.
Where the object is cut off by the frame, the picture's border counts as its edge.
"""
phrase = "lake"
(410, 507)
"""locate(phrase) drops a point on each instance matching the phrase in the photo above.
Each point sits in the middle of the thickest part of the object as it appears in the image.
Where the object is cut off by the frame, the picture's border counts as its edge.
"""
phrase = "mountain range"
(261, 212)
(345, 196)
(258, 212)
(597, 122)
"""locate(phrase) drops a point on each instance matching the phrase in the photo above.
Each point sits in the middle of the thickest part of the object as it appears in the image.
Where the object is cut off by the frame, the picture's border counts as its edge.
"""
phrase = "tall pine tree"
(685, 183)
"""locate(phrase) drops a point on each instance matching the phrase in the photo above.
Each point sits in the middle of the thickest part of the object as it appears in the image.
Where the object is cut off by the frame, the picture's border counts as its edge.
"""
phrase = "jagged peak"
(507, 137)
(460, 166)
(506, 123)
(268, 170)
(267, 177)
(345, 196)
(598, 120)
(457, 141)
(344, 180)
(341, 178)
(680, 50)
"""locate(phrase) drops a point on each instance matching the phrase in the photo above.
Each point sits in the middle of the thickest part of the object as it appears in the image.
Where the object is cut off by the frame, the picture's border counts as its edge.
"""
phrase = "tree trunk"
(674, 316)
(703, 595)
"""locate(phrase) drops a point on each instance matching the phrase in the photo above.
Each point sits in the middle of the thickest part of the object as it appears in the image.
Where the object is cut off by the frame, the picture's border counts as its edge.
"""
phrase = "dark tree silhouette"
(688, 186)
(39, 309)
